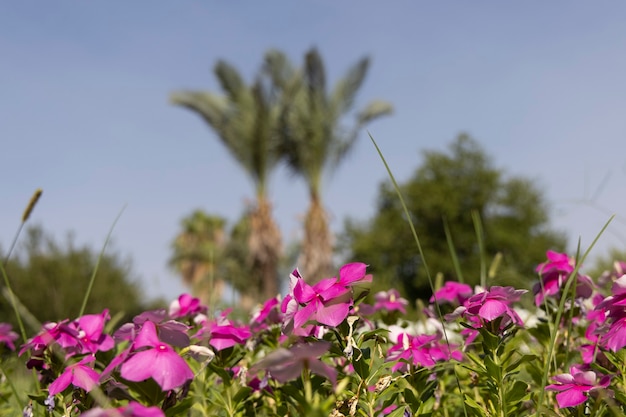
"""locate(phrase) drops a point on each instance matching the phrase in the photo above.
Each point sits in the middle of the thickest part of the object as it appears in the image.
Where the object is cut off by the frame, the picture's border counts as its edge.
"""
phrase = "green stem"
(501, 387)
(95, 270)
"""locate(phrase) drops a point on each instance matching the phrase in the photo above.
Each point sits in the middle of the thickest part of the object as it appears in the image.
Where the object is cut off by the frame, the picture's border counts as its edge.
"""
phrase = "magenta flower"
(490, 305)
(61, 333)
(615, 304)
(90, 336)
(615, 338)
(327, 302)
(390, 301)
(614, 308)
(287, 364)
(7, 335)
(422, 350)
(267, 315)
(554, 274)
(186, 305)
(224, 335)
(452, 292)
(159, 361)
(171, 332)
(79, 374)
(133, 409)
(572, 387)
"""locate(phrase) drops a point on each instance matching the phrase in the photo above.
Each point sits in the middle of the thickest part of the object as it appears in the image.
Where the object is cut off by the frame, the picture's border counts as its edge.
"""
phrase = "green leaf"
(360, 364)
(474, 358)
(180, 408)
(517, 392)
(473, 404)
(398, 412)
(493, 370)
(378, 334)
(411, 399)
(517, 363)
(242, 395)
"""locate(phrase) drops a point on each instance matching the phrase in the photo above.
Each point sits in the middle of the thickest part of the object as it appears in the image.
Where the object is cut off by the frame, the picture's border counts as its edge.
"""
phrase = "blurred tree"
(245, 120)
(197, 250)
(449, 187)
(50, 279)
(312, 139)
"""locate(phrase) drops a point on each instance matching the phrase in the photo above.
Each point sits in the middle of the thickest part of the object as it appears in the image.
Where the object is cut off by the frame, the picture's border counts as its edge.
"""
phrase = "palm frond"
(314, 73)
(230, 80)
(345, 90)
(210, 107)
(278, 67)
(374, 110)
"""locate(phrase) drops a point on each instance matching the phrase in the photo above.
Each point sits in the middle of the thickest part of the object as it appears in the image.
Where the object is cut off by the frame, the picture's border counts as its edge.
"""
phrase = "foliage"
(449, 190)
(50, 279)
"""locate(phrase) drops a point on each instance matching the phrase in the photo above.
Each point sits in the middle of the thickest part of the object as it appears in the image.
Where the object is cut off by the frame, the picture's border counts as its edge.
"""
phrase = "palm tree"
(197, 250)
(245, 119)
(312, 140)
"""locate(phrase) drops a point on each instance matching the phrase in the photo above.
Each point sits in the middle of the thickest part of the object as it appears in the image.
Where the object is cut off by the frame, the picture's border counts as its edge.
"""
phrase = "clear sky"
(84, 110)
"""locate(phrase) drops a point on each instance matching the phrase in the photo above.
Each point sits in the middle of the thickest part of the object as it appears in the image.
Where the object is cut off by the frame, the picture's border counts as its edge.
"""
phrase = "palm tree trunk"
(317, 247)
(265, 249)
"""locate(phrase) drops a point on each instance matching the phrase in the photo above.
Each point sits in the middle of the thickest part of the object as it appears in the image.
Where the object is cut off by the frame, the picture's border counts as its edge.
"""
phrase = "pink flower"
(572, 387)
(490, 305)
(327, 302)
(223, 333)
(422, 350)
(78, 374)
(133, 409)
(7, 335)
(614, 307)
(615, 338)
(268, 314)
(287, 364)
(159, 361)
(186, 305)
(554, 274)
(390, 301)
(615, 304)
(90, 336)
(453, 293)
(171, 332)
(61, 333)
(222, 336)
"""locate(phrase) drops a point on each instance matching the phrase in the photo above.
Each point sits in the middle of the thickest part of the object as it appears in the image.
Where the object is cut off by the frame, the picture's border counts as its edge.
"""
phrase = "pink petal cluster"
(223, 333)
(81, 336)
(269, 314)
(133, 409)
(390, 301)
(151, 358)
(78, 374)
(420, 351)
(453, 293)
(553, 275)
(490, 305)
(328, 302)
(7, 335)
(613, 308)
(186, 305)
(572, 388)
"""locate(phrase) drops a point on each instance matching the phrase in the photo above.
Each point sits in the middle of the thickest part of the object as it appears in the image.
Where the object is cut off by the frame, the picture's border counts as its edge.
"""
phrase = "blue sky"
(84, 110)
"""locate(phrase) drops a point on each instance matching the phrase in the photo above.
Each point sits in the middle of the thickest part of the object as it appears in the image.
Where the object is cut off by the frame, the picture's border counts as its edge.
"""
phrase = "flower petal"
(492, 309)
(570, 398)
